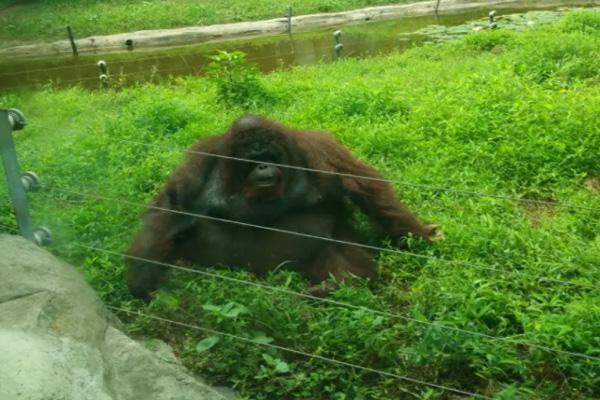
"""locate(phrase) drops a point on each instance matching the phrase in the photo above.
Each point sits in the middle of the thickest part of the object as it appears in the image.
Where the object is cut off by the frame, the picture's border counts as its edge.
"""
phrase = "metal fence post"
(103, 69)
(337, 44)
(18, 183)
(492, 16)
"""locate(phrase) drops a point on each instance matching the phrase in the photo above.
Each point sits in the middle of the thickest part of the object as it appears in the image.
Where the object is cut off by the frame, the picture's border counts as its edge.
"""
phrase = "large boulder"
(56, 341)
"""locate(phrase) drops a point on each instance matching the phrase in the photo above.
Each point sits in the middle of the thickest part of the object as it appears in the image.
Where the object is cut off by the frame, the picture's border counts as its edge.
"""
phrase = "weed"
(237, 81)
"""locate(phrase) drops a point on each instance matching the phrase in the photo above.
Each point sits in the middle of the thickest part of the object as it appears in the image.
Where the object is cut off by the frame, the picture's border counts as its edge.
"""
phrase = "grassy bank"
(47, 20)
(510, 114)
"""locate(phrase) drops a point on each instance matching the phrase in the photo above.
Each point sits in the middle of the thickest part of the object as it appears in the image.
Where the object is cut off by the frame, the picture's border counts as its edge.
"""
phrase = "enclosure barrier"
(19, 183)
(102, 65)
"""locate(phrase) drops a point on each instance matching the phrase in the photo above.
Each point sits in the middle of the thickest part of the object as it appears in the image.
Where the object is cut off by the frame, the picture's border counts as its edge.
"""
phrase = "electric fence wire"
(394, 182)
(147, 77)
(311, 297)
(329, 301)
(216, 219)
(346, 305)
(460, 192)
(391, 181)
(158, 58)
(100, 50)
(398, 182)
(370, 178)
(99, 53)
(277, 347)
(330, 240)
(111, 63)
(302, 353)
(295, 54)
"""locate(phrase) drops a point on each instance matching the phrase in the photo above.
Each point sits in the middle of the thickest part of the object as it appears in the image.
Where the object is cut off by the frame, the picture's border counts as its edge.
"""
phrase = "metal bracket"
(42, 236)
(16, 119)
(30, 182)
(18, 183)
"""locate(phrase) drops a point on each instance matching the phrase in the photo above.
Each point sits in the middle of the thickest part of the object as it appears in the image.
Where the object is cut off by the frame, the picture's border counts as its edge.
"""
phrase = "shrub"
(236, 80)
(582, 21)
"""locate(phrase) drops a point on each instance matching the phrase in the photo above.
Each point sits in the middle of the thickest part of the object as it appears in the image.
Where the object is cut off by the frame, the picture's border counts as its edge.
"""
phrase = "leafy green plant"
(275, 366)
(236, 80)
(226, 311)
(357, 100)
(581, 21)
(207, 344)
(489, 39)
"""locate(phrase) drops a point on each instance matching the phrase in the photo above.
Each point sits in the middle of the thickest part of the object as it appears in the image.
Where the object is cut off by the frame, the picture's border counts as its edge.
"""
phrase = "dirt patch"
(592, 183)
(537, 211)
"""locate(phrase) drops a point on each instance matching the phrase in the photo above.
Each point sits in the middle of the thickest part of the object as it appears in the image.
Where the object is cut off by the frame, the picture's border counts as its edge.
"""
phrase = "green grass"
(47, 20)
(514, 114)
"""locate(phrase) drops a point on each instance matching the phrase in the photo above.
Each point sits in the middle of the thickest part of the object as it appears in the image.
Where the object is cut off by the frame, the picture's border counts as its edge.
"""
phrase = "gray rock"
(44, 367)
(56, 342)
(137, 373)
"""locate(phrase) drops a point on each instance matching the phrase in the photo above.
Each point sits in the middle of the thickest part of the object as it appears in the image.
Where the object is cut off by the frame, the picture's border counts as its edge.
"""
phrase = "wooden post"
(289, 19)
(72, 40)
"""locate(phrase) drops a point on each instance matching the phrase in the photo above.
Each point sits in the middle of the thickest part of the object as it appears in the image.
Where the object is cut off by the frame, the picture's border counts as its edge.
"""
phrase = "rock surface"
(56, 343)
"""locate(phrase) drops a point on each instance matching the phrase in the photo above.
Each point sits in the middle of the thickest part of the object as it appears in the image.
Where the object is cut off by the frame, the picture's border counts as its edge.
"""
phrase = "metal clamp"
(16, 119)
(42, 236)
(30, 181)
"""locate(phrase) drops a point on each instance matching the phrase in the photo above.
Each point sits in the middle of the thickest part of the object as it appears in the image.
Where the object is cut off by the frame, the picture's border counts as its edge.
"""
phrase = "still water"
(268, 53)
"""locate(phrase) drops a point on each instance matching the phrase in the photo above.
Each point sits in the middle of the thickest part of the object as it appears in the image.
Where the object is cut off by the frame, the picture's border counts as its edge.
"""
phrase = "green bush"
(488, 39)
(562, 63)
(237, 81)
(359, 101)
(582, 21)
